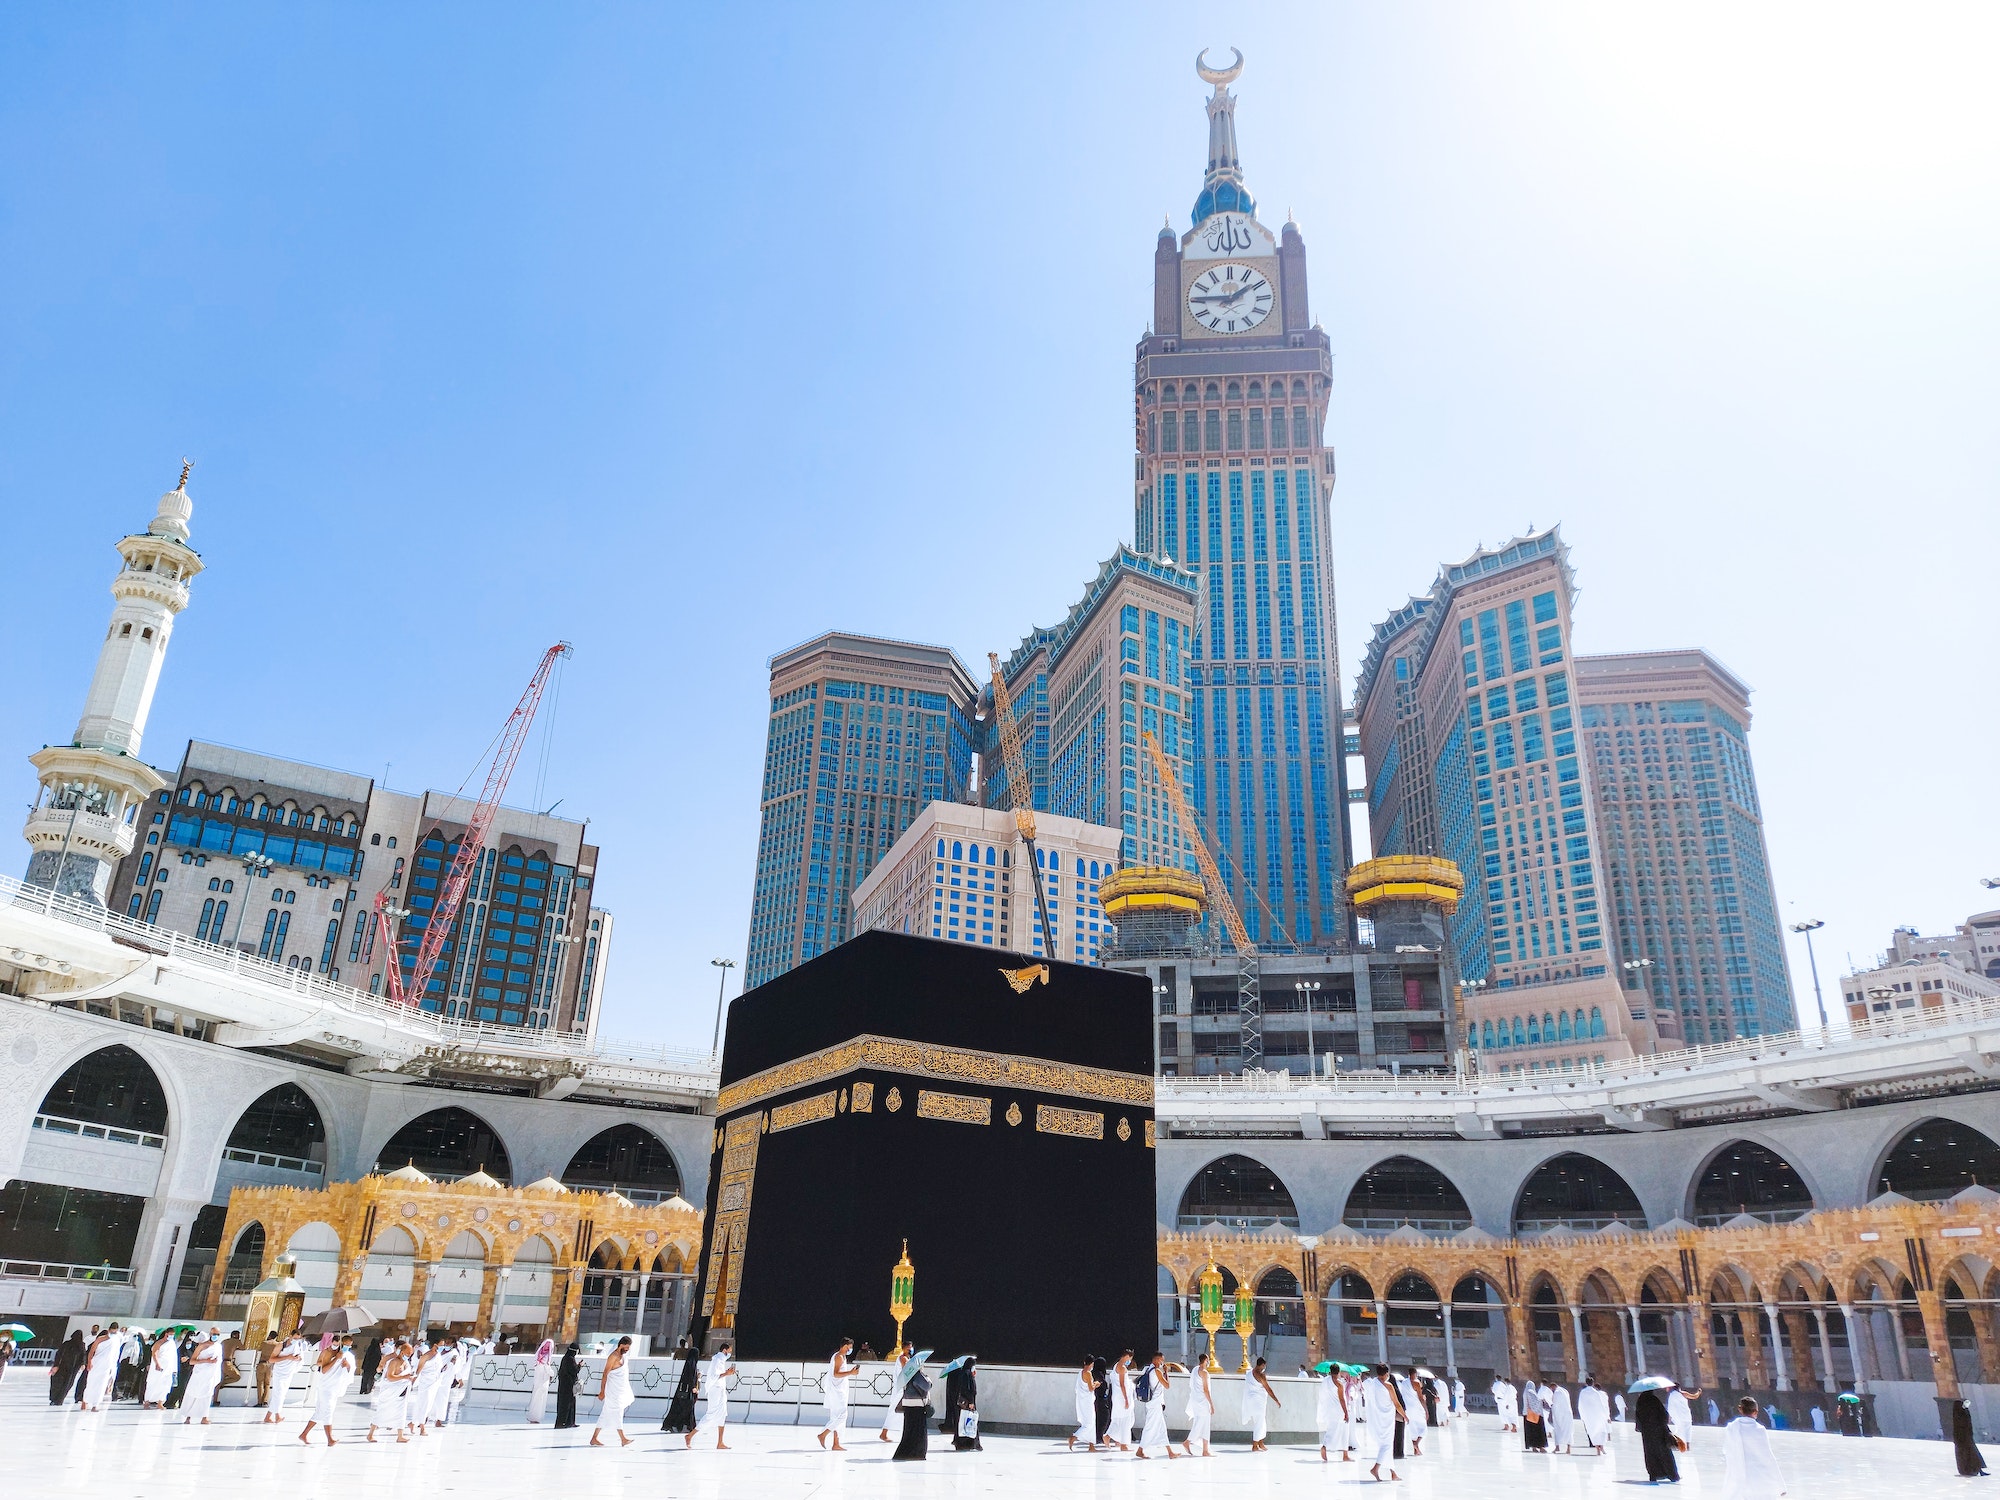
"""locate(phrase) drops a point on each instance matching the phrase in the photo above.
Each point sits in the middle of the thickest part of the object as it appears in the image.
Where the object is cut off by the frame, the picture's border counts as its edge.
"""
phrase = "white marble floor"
(133, 1455)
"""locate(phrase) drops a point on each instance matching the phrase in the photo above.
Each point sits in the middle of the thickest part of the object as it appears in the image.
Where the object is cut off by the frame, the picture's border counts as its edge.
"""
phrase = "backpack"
(1143, 1391)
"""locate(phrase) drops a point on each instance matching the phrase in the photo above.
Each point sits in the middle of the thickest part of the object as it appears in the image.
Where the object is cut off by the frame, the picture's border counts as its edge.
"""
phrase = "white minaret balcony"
(95, 787)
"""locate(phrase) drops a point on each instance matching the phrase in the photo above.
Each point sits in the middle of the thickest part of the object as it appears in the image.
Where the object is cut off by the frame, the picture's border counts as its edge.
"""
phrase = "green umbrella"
(1356, 1369)
(1325, 1367)
(20, 1333)
(1844, 1396)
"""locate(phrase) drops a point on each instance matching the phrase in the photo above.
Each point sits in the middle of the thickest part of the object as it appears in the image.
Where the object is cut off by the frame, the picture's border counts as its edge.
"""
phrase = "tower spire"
(1222, 189)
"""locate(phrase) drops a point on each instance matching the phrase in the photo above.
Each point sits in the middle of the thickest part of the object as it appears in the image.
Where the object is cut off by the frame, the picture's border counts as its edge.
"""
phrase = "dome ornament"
(1220, 77)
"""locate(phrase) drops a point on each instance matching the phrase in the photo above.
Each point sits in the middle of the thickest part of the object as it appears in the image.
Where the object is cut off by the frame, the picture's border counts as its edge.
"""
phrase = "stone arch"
(315, 1251)
(1744, 1175)
(1543, 1278)
(112, 1086)
(1280, 1302)
(529, 1286)
(1578, 1190)
(389, 1273)
(1935, 1158)
(1476, 1299)
(625, 1158)
(1237, 1190)
(466, 1243)
(1402, 1190)
(283, 1122)
(1604, 1284)
(447, 1143)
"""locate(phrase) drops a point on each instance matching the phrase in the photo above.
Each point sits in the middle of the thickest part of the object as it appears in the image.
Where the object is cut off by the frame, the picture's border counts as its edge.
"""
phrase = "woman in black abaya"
(1650, 1417)
(1970, 1463)
(566, 1377)
(915, 1404)
(961, 1394)
(1100, 1375)
(69, 1360)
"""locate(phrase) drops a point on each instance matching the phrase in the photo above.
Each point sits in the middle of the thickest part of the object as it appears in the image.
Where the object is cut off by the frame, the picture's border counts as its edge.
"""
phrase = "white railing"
(55, 1270)
(273, 1159)
(698, 1067)
(60, 1125)
(1775, 1047)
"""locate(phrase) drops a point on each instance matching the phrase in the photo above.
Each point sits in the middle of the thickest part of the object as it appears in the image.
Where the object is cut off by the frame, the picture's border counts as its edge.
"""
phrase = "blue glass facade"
(1686, 867)
(862, 735)
(1485, 772)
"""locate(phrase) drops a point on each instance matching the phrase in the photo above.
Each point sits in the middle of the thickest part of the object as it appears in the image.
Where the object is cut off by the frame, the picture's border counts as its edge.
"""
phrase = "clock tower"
(1234, 481)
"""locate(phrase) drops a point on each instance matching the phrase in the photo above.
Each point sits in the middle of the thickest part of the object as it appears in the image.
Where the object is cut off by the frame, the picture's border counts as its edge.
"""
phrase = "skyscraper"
(1234, 482)
(86, 816)
(1085, 689)
(1467, 711)
(863, 733)
(1685, 867)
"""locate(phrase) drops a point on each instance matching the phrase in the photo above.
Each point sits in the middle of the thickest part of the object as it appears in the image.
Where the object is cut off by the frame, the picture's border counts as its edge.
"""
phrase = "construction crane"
(1249, 989)
(1020, 792)
(1171, 785)
(513, 736)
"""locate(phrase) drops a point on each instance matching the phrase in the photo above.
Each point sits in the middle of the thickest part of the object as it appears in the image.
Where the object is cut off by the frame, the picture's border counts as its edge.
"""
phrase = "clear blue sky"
(686, 335)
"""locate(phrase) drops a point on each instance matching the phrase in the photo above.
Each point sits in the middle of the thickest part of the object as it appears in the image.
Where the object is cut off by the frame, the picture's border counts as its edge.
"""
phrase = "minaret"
(94, 789)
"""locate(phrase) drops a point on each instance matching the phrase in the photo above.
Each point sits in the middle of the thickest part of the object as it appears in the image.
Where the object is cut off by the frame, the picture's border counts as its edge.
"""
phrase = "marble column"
(1830, 1380)
(1778, 1346)
(160, 1249)
(1858, 1349)
(1382, 1332)
(1582, 1360)
(1450, 1350)
(429, 1272)
(1638, 1342)
(501, 1275)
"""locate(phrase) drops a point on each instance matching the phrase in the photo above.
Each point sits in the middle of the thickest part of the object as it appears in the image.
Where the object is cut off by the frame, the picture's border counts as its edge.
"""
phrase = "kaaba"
(993, 1111)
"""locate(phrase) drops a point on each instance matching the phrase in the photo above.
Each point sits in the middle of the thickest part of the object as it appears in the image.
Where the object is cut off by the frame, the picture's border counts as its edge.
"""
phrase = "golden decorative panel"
(944, 1065)
(740, 1139)
(864, 1098)
(805, 1111)
(1083, 1123)
(894, 1100)
(1149, 1133)
(1014, 1114)
(965, 1109)
(1124, 1129)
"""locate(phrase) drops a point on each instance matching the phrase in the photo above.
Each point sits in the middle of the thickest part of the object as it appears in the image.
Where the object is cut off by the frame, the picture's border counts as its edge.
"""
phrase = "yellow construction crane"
(1218, 892)
(1020, 792)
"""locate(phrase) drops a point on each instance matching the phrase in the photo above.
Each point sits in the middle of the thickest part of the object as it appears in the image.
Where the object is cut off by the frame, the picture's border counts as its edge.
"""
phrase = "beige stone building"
(952, 875)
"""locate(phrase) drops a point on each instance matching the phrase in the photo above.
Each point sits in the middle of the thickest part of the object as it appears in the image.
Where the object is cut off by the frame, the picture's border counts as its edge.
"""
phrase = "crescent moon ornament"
(1220, 77)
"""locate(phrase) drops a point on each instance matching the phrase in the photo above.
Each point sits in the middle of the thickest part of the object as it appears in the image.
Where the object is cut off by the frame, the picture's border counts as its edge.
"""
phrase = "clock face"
(1230, 297)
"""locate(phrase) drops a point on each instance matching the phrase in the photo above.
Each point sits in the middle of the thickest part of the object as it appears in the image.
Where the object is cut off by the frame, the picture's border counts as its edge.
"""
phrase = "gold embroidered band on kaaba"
(941, 1063)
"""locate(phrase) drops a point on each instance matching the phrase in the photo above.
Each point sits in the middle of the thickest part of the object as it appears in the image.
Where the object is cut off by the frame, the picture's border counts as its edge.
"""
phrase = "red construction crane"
(513, 735)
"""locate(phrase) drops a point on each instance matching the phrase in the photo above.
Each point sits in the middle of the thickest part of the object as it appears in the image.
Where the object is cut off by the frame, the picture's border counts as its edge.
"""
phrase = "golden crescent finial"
(1220, 77)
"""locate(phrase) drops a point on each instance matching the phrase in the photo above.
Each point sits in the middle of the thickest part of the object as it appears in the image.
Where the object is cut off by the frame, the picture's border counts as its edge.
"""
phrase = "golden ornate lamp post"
(1246, 1318)
(1210, 1284)
(902, 1293)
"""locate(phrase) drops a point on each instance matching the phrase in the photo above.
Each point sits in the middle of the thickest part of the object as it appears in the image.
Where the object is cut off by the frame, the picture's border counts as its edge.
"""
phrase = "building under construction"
(283, 859)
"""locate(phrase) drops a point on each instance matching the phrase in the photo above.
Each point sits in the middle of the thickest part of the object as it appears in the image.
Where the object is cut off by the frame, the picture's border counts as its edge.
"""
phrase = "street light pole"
(253, 866)
(721, 983)
(1809, 928)
(1307, 990)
